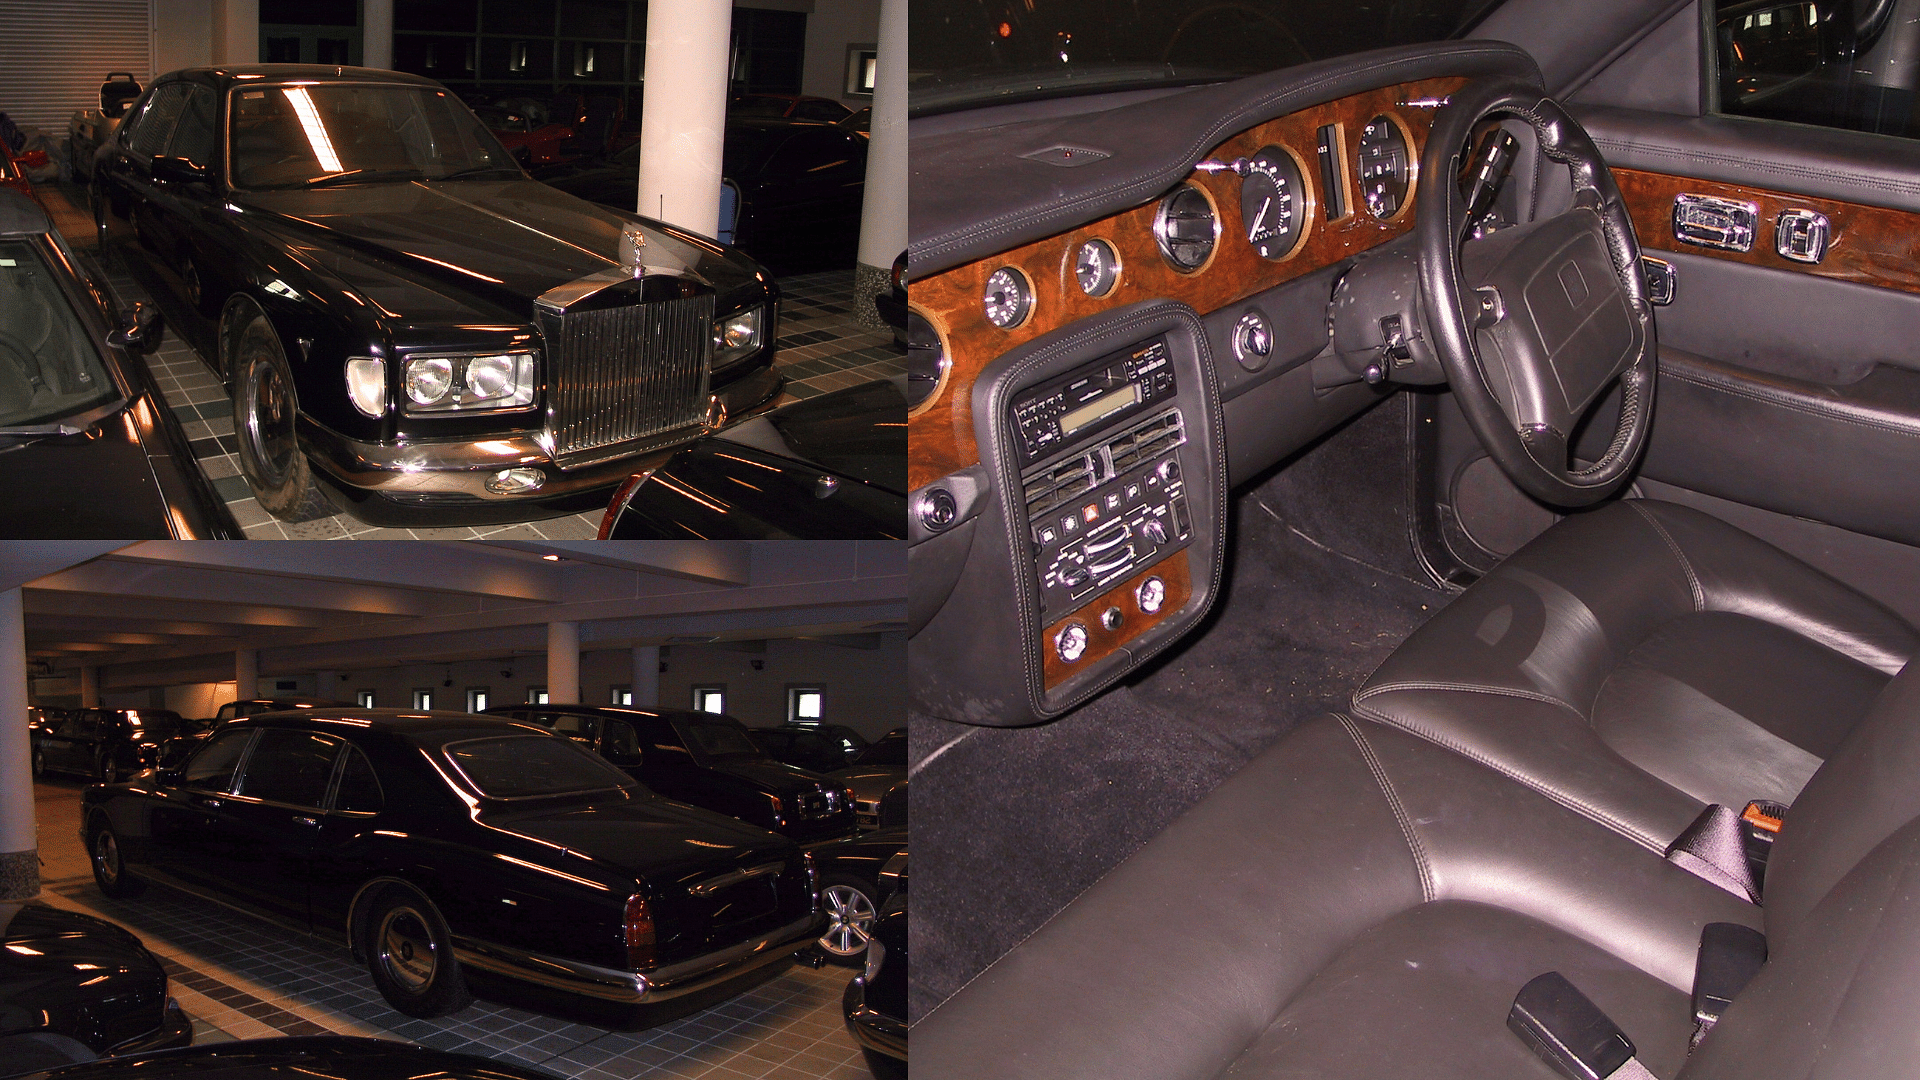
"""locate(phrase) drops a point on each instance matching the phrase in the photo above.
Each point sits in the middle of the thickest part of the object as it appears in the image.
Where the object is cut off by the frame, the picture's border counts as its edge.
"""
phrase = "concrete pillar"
(563, 663)
(19, 845)
(236, 34)
(646, 676)
(883, 211)
(89, 687)
(684, 116)
(246, 674)
(376, 33)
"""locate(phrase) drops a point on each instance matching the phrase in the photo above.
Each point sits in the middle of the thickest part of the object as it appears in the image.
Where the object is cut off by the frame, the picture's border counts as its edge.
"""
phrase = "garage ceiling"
(167, 613)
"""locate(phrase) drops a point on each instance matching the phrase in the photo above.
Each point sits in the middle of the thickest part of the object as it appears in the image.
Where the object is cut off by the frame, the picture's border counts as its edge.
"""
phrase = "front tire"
(108, 770)
(410, 954)
(39, 763)
(850, 910)
(264, 411)
(109, 865)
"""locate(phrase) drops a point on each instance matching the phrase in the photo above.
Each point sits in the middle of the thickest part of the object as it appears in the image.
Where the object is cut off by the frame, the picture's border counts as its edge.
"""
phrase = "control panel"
(1053, 415)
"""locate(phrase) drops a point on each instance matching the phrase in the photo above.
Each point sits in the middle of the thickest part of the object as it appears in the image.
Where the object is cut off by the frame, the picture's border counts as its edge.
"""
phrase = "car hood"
(768, 774)
(119, 500)
(59, 939)
(649, 837)
(317, 1055)
(507, 240)
(870, 782)
(859, 432)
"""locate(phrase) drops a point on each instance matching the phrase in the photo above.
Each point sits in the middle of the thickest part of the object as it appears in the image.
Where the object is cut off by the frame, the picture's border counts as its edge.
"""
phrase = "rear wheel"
(264, 410)
(410, 953)
(39, 763)
(109, 865)
(108, 770)
(850, 913)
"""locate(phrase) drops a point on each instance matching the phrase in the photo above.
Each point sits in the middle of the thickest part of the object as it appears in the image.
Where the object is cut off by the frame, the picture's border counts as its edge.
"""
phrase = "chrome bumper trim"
(461, 466)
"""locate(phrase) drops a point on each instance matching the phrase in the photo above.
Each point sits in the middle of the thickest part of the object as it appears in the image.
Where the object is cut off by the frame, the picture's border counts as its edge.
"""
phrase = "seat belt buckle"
(1760, 822)
(1570, 1032)
(1765, 816)
(1730, 956)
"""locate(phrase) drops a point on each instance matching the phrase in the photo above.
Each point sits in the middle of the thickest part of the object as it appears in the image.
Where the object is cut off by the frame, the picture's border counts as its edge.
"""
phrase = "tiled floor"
(822, 348)
(241, 978)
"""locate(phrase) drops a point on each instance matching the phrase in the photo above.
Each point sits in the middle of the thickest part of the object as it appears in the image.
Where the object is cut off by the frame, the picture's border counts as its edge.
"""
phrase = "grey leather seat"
(1641, 661)
(1359, 902)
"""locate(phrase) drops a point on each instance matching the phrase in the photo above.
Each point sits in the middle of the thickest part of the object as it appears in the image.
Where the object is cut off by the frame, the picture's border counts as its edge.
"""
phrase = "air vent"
(1186, 228)
(926, 360)
(1054, 487)
(1145, 441)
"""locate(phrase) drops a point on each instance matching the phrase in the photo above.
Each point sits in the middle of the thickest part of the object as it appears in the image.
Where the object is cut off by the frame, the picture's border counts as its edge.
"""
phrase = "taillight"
(640, 936)
(900, 272)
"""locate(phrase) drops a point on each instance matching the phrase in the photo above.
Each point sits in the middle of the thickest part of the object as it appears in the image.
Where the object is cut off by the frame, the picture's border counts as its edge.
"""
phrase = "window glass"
(820, 110)
(812, 152)
(890, 750)
(710, 699)
(359, 787)
(804, 703)
(194, 139)
(212, 768)
(717, 736)
(155, 122)
(423, 700)
(581, 729)
(294, 136)
(519, 766)
(49, 365)
(290, 767)
(366, 699)
(1835, 63)
(623, 744)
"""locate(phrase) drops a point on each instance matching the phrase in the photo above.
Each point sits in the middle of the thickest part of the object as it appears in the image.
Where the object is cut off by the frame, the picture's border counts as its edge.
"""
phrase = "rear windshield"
(519, 766)
(717, 736)
(49, 367)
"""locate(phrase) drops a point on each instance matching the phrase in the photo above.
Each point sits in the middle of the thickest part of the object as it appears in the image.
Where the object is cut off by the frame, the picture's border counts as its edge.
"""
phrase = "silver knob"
(1151, 594)
(1071, 642)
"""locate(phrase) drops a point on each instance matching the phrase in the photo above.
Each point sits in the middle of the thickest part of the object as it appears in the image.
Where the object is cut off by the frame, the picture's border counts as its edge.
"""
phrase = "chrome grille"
(627, 373)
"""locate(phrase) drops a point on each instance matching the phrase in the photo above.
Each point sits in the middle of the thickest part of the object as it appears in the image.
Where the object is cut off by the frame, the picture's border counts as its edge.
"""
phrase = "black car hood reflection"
(329, 1057)
(775, 776)
(120, 498)
(646, 835)
(859, 432)
(48, 937)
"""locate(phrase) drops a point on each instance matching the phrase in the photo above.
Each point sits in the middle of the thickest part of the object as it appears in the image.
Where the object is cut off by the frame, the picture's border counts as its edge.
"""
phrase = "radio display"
(1100, 408)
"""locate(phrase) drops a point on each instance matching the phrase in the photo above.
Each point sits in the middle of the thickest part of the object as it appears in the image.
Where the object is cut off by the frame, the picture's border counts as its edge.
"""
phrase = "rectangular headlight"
(738, 335)
(488, 383)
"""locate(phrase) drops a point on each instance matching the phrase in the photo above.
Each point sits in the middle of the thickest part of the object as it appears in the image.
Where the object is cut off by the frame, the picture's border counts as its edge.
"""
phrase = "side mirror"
(180, 170)
(141, 332)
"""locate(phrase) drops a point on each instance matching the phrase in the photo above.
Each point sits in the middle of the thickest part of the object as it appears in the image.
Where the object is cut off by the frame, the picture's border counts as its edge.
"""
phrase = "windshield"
(302, 136)
(519, 766)
(976, 52)
(717, 736)
(49, 367)
(890, 750)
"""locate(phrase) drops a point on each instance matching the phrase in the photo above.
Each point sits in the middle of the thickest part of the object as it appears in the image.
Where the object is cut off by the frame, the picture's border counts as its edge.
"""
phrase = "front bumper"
(175, 1030)
(872, 1030)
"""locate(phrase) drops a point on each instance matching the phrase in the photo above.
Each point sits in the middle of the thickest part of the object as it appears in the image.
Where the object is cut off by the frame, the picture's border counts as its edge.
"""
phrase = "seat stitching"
(1400, 815)
(1693, 582)
(1469, 688)
(1569, 801)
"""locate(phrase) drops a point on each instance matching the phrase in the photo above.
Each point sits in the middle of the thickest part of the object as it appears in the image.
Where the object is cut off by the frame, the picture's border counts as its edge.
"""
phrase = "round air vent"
(1186, 228)
(926, 360)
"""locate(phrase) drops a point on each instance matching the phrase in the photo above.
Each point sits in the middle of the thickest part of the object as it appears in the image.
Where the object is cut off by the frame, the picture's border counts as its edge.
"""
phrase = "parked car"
(878, 780)
(306, 1055)
(832, 467)
(409, 326)
(438, 845)
(707, 759)
(73, 987)
(91, 448)
(194, 732)
(859, 122)
(90, 129)
(787, 106)
(529, 142)
(102, 744)
(13, 170)
(800, 185)
(892, 306)
(858, 876)
(814, 747)
(875, 1001)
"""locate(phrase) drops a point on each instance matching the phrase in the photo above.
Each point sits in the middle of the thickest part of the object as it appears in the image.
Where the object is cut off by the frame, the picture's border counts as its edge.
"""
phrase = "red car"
(529, 143)
(790, 106)
(13, 169)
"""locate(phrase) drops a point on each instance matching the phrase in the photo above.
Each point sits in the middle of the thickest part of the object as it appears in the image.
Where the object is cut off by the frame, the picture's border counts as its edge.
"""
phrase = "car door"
(264, 837)
(182, 209)
(337, 867)
(810, 187)
(185, 807)
(131, 169)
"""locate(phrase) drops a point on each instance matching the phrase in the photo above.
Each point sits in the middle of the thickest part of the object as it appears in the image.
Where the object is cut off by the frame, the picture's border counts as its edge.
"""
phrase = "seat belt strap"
(1714, 847)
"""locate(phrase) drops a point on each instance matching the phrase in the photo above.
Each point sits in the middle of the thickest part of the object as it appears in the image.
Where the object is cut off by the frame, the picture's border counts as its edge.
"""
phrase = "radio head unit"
(1055, 414)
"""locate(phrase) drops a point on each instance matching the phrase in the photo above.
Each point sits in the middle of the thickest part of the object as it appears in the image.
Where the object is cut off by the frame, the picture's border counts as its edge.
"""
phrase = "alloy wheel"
(850, 917)
(267, 420)
(106, 856)
(405, 948)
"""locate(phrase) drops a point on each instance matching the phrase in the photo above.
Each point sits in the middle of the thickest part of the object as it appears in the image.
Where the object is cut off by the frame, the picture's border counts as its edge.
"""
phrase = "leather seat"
(1359, 902)
(1643, 660)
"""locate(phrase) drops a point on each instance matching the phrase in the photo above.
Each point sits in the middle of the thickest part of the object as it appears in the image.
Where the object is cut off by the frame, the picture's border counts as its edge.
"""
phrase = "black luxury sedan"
(73, 986)
(707, 759)
(875, 1002)
(858, 876)
(274, 1059)
(878, 779)
(77, 403)
(832, 467)
(816, 747)
(101, 744)
(459, 854)
(406, 322)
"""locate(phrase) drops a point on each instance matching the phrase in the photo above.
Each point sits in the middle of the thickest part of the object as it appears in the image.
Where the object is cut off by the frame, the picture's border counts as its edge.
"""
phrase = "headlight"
(737, 335)
(469, 383)
(367, 385)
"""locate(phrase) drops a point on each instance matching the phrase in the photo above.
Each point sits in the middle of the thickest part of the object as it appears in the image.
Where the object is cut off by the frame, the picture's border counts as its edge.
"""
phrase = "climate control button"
(1071, 642)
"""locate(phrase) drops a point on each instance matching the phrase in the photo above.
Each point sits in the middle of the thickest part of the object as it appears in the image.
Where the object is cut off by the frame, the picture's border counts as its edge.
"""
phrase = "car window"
(290, 767)
(212, 768)
(156, 121)
(359, 789)
(227, 711)
(714, 735)
(291, 136)
(514, 767)
(1835, 63)
(623, 744)
(820, 110)
(890, 750)
(581, 729)
(49, 366)
(193, 138)
(812, 152)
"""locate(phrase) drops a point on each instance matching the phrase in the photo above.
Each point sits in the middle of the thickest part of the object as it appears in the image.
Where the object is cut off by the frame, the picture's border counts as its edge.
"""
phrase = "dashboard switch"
(938, 510)
(1071, 642)
(1111, 618)
(1151, 594)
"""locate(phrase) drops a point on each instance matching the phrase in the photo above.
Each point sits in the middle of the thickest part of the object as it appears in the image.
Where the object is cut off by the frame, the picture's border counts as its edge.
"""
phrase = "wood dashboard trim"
(1870, 245)
(1102, 642)
(941, 435)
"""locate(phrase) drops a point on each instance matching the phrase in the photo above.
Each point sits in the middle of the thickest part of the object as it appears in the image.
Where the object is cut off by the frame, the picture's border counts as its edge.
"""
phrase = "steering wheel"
(1533, 323)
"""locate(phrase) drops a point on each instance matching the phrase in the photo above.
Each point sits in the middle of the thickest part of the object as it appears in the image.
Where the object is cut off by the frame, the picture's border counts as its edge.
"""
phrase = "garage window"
(365, 697)
(423, 699)
(621, 695)
(805, 704)
(477, 698)
(536, 695)
(712, 698)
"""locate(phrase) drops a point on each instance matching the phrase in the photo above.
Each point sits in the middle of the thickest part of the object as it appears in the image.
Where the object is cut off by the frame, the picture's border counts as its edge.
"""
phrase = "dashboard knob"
(1111, 618)
(1071, 642)
(1154, 531)
(1073, 575)
(937, 509)
(1151, 594)
(1169, 471)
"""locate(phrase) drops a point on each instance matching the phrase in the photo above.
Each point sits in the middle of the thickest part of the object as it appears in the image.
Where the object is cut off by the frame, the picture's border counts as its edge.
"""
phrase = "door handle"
(301, 819)
(208, 804)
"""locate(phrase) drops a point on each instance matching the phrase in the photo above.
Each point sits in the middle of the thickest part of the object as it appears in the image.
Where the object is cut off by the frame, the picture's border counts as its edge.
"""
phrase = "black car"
(73, 986)
(195, 732)
(312, 1055)
(878, 780)
(800, 181)
(707, 759)
(832, 467)
(404, 317)
(875, 1002)
(857, 878)
(102, 744)
(815, 747)
(78, 404)
(457, 854)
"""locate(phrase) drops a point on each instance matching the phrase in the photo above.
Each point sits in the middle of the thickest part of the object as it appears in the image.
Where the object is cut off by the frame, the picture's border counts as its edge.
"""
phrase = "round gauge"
(1008, 299)
(1097, 267)
(1386, 167)
(1186, 229)
(926, 360)
(1271, 207)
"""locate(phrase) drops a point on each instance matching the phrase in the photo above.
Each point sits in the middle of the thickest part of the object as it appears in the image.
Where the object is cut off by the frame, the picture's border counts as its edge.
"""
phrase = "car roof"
(610, 710)
(319, 72)
(434, 727)
(21, 216)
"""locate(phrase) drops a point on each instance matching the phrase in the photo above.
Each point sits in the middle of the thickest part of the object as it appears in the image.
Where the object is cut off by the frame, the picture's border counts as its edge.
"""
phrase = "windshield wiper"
(356, 176)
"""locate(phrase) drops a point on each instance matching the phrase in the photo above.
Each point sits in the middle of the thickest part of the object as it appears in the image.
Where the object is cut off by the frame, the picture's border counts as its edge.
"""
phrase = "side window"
(227, 712)
(1834, 63)
(657, 733)
(359, 790)
(819, 110)
(623, 745)
(212, 768)
(193, 138)
(812, 154)
(157, 120)
(584, 730)
(290, 767)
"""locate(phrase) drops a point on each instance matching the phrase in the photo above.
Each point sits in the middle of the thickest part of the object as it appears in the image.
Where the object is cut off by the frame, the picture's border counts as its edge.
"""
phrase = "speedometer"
(1386, 167)
(1272, 198)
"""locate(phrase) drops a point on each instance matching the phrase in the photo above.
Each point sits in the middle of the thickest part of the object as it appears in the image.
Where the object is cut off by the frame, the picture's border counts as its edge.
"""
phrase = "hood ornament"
(633, 244)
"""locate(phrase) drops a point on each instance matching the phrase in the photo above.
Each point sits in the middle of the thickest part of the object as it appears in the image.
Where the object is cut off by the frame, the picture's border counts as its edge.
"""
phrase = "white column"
(563, 663)
(883, 210)
(19, 846)
(246, 674)
(646, 676)
(376, 33)
(236, 33)
(89, 687)
(684, 116)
